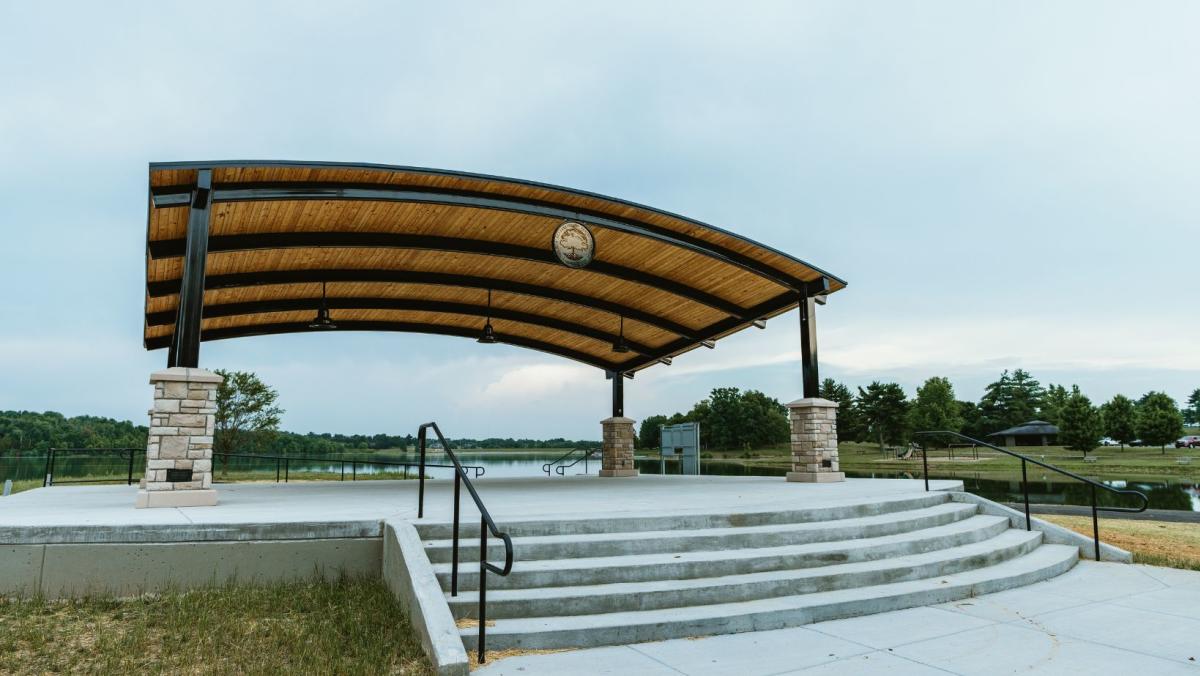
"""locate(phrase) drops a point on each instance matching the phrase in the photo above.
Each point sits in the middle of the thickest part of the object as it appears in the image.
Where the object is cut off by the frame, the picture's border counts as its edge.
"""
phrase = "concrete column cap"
(617, 420)
(813, 402)
(186, 375)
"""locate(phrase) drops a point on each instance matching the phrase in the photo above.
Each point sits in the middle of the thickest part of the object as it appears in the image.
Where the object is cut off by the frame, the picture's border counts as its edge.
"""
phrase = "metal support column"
(185, 341)
(808, 347)
(618, 393)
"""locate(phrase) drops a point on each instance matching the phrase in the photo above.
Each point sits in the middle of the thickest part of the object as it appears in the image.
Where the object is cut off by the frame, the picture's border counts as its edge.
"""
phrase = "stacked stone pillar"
(814, 441)
(180, 445)
(617, 459)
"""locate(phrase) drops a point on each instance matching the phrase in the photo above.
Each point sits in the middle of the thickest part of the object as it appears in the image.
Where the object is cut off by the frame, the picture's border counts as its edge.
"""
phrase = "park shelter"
(1032, 433)
(247, 248)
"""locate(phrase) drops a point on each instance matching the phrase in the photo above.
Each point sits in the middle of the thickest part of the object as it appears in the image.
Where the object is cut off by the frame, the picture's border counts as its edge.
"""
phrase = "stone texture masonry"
(814, 441)
(181, 438)
(617, 459)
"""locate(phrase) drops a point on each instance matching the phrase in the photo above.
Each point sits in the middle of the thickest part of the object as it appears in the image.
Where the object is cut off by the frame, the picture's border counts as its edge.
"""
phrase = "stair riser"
(469, 527)
(698, 542)
(468, 575)
(762, 621)
(468, 607)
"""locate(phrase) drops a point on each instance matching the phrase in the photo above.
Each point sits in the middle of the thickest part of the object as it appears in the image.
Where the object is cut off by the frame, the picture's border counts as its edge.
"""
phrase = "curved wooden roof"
(410, 249)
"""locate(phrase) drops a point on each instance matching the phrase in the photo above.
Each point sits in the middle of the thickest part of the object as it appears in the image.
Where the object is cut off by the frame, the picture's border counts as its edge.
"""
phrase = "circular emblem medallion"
(574, 245)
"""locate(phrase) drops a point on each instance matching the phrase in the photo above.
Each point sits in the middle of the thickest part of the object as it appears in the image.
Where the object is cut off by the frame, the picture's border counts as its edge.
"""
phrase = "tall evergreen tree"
(1158, 420)
(1079, 424)
(1120, 419)
(1053, 403)
(1011, 400)
(1193, 407)
(884, 407)
(850, 424)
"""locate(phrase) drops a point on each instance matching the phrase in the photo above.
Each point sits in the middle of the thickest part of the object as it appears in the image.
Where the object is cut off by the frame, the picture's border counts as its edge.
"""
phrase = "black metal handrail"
(1025, 483)
(282, 465)
(486, 525)
(561, 469)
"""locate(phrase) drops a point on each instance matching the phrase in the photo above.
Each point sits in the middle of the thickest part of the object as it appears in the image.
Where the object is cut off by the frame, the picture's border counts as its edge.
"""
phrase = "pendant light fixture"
(621, 346)
(489, 336)
(322, 320)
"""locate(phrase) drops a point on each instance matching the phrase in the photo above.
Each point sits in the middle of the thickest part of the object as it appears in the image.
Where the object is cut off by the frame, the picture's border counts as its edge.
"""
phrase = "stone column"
(814, 441)
(618, 448)
(179, 448)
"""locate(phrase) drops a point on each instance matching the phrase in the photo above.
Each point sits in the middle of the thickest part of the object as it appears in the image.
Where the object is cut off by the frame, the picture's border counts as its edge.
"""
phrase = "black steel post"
(1025, 490)
(925, 464)
(421, 476)
(483, 535)
(287, 466)
(618, 394)
(1095, 523)
(185, 341)
(354, 471)
(46, 474)
(129, 481)
(454, 539)
(276, 470)
(808, 347)
(343, 470)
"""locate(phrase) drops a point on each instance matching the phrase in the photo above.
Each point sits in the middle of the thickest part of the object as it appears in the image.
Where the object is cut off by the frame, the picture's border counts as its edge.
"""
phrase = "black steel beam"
(618, 394)
(251, 279)
(409, 327)
(400, 304)
(808, 347)
(165, 197)
(185, 340)
(288, 240)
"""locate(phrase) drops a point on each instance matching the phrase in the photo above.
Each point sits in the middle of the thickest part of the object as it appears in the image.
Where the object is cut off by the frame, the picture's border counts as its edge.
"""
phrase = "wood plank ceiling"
(407, 249)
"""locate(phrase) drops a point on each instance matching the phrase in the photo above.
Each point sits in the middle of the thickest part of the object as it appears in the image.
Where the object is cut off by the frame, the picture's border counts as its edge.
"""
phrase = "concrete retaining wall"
(1052, 533)
(408, 573)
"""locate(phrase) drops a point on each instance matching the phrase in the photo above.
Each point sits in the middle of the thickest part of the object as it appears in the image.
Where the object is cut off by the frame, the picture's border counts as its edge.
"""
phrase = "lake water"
(1163, 493)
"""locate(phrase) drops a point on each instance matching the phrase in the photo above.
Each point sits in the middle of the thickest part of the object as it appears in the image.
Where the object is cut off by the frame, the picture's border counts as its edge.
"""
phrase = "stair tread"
(977, 522)
(1011, 537)
(1041, 558)
(815, 526)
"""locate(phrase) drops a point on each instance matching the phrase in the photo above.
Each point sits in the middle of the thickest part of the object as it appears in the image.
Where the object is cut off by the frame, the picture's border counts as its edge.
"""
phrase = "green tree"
(974, 425)
(1053, 403)
(1011, 400)
(935, 407)
(884, 407)
(247, 416)
(1158, 420)
(648, 433)
(1120, 419)
(1193, 407)
(850, 426)
(1079, 425)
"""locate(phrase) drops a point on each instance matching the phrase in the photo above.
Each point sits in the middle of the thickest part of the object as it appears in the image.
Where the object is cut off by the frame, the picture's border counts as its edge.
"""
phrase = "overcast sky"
(1002, 184)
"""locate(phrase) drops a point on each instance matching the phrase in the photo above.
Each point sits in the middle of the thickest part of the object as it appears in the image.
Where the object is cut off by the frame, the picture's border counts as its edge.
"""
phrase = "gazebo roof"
(421, 250)
(1031, 428)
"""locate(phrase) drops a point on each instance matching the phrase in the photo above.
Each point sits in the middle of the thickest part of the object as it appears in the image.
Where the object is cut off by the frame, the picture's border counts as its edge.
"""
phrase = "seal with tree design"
(574, 244)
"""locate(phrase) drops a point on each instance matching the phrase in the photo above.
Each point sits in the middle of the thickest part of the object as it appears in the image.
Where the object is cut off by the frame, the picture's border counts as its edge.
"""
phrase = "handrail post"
(454, 544)
(925, 464)
(276, 469)
(129, 481)
(354, 470)
(343, 470)
(287, 466)
(421, 476)
(1095, 523)
(1025, 490)
(483, 535)
(50, 474)
(46, 474)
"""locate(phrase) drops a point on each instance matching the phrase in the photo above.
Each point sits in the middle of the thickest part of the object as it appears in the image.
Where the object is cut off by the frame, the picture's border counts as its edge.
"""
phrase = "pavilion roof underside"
(405, 249)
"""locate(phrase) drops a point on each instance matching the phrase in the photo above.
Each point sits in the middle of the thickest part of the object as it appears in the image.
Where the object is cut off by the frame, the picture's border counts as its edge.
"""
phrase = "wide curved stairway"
(580, 583)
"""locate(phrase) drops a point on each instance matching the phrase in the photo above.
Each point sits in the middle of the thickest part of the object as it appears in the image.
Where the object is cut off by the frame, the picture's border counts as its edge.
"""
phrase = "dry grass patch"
(1158, 543)
(344, 627)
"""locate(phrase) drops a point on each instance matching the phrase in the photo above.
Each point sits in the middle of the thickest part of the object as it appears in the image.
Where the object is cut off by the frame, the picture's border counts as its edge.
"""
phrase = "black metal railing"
(486, 525)
(560, 468)
(52, 458)
(1025, 459)
(283, 465)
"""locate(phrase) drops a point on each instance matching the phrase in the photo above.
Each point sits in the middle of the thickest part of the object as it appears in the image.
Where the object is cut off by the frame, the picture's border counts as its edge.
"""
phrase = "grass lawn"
(1157, 543)
(345, 627)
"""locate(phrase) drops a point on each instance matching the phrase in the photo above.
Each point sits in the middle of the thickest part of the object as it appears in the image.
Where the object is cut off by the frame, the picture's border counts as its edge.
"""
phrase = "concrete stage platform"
(97, 514)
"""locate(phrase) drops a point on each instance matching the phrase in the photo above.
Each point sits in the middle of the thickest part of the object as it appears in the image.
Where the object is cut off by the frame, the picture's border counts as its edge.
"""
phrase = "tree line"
(883, 413)
(729, 419)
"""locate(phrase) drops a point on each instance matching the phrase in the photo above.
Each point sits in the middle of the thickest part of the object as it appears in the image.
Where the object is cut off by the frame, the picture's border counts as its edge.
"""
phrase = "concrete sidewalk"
(1097, 618)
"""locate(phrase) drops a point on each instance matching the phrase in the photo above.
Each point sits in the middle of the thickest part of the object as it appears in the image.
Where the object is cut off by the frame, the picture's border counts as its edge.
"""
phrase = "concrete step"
(469, 526)
(569, 631)
(686, 564)
(657, 594)
(592, 545)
